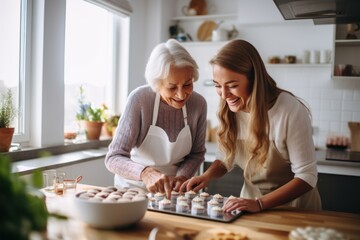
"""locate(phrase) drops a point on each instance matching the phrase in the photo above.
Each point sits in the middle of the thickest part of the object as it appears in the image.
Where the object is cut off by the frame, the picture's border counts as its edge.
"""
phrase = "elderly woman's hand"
(155, 181)
(243, 204)
(178, 181)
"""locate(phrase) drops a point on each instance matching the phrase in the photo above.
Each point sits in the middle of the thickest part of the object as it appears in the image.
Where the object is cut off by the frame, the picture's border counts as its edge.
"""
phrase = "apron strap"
(185, 114)
(156, 110)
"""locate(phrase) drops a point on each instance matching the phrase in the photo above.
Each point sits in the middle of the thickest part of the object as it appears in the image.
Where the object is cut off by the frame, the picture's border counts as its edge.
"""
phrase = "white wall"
(138, 41)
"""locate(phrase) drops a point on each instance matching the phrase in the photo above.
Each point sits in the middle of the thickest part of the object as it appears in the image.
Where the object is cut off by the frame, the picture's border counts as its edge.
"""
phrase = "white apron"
(157, 151)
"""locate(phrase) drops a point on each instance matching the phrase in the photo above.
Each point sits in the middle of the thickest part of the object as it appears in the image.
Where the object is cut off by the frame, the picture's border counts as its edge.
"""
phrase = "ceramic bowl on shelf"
(109, 210)
(290, 59)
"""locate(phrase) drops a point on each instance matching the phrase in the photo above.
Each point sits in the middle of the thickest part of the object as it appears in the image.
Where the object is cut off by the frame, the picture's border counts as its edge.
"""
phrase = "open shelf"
(347, 42)
(204, 17)
(296, 65)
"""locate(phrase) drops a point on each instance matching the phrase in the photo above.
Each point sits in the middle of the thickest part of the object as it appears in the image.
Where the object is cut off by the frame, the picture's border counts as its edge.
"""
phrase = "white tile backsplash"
(356, 95)
(332, 104)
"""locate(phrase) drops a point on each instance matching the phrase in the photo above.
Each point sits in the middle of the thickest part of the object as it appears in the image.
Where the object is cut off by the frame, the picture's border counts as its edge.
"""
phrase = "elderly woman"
(265, 130)
(160, 139)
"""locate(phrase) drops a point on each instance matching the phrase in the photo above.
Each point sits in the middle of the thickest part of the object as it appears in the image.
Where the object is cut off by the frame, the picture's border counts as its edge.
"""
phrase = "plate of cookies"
(191, 204)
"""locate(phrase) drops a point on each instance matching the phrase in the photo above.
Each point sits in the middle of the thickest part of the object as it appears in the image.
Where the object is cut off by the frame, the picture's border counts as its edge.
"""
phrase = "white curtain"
(121, 7)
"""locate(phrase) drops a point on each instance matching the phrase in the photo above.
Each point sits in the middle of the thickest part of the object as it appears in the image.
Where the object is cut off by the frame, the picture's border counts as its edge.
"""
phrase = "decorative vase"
(6, 135)
(93, 130)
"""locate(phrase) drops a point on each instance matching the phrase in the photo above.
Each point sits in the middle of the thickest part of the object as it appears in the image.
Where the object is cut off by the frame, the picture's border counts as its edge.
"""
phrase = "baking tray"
(226, 218)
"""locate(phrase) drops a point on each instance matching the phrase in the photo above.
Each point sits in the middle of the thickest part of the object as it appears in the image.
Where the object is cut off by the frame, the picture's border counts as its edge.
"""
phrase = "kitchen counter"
(337, 167)
(270, 224)
(346, 168)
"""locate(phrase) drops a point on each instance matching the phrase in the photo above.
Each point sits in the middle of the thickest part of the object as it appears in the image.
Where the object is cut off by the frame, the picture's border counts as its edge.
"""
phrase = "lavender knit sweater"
(134, 125)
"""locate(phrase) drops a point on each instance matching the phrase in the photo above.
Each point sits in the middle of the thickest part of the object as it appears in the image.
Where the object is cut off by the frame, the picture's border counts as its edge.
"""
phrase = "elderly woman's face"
(177, 88)
(233, 87)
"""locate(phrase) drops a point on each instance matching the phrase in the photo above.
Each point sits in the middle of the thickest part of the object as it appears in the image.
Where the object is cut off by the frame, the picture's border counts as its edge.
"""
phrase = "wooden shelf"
(346, 78)
(297, 65)
(202, 43)
(347, 42)
(204, 17)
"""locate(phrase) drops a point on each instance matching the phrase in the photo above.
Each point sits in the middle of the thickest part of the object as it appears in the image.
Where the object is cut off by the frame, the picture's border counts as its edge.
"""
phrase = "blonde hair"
(165, 55)
(241, 57)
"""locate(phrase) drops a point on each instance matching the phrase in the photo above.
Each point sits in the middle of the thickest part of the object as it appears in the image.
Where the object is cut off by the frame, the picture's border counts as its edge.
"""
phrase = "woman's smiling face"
(176, 89)
(233, 87)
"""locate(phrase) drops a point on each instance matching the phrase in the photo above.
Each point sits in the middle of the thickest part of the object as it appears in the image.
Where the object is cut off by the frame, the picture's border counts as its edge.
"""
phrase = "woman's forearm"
(286, 193)
(217, 169)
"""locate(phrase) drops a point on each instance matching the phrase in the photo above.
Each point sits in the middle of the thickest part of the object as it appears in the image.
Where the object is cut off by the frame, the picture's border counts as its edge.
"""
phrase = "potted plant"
(95, 118)
(8, 112)
(90, 118)
(111, 124)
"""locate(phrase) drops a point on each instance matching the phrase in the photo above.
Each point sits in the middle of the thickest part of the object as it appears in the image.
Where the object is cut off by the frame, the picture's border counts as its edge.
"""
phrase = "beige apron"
(157, 151)
(275, 173)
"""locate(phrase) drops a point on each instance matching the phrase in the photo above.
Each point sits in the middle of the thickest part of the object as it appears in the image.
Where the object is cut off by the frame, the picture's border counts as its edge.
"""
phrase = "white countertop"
(324, 166)
(28, 166)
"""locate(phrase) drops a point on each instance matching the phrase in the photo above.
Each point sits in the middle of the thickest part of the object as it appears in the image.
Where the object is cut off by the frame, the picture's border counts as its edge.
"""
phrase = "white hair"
(165, 55)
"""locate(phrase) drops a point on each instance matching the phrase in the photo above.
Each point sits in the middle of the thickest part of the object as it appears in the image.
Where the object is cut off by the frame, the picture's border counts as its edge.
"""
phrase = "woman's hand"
(178, 181)
(243, 204)
(155, 181)
(195, 184)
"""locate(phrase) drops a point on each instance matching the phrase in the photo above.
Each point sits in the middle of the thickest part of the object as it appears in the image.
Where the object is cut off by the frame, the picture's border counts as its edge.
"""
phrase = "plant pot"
(93, 130)
(6, 135)
(108, 130)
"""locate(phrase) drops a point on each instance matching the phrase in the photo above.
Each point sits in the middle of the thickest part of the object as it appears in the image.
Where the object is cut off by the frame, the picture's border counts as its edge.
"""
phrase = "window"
(32, 55)
(13, 14)
(88, 56)
(91, 38)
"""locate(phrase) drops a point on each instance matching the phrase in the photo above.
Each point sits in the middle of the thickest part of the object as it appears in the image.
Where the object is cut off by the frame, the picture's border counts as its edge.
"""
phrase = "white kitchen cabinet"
(346, 54)
(93, 171)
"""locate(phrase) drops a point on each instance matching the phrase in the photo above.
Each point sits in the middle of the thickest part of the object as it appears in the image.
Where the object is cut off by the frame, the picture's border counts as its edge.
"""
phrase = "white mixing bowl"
(109, 215)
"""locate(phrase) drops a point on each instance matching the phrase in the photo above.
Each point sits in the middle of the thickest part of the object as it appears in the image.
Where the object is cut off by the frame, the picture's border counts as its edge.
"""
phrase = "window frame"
(23, 132)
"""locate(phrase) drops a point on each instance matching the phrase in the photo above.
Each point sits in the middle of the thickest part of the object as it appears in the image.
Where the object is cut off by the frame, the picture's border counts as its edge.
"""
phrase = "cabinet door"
(94, 172)
(339, 193)
(229, 184)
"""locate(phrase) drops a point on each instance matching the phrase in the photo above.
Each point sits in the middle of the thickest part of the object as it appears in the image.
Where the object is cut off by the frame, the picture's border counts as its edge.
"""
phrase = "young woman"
(160, 140)
(263, 129)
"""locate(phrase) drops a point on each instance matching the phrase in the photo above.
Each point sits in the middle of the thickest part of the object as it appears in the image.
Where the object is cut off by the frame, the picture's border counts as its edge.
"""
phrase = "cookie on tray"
(152, 202)
(190, 195)
(174, 196)
(165, 204)
(197, 209)
(219, 198)
(205, 196)
(216, 211)
(159, 196)
(197, 201)
(181, 199)
(182, 207)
